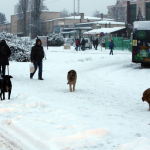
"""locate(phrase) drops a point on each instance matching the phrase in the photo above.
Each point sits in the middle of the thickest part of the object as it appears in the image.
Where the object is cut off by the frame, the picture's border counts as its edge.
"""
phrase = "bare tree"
(64, 13)
(2, 18)
(72, 14)
(119, 13)
(22, 9)
(96, 14)
(36, 22)
(129, 29)
(139, 16)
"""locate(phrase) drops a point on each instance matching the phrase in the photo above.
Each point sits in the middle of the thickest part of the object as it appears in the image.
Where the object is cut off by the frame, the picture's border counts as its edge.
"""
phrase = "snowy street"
(105, 112)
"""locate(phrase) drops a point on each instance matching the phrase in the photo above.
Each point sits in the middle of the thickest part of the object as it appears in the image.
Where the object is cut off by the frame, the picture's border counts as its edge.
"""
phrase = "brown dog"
(146, 97)
(72, 78)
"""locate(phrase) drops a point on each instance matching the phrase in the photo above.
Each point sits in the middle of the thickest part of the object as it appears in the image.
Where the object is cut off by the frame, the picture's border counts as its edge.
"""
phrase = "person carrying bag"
(37, 55)
(32, 69)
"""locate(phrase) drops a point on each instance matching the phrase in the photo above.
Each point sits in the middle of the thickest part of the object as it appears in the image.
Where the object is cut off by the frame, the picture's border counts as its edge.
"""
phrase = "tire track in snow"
(20, 140)
(7, 144)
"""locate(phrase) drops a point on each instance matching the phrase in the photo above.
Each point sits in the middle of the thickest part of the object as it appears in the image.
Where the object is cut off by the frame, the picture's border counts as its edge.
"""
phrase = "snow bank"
(139, 143)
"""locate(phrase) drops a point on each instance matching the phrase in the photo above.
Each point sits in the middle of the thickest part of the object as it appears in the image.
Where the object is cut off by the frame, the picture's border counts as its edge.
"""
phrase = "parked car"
(69, 41)
(88, 43)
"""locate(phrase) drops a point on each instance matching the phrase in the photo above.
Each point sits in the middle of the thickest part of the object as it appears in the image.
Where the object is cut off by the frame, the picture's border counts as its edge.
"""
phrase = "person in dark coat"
(96, 43)
(5, 53)
(37, 54)
(111, 46)
(83, 44)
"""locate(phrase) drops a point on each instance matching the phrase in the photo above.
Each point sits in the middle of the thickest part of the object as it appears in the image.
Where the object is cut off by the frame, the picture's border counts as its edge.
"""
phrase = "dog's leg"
(9, 93)
(149, 107)
(70, 87)
(74, 86)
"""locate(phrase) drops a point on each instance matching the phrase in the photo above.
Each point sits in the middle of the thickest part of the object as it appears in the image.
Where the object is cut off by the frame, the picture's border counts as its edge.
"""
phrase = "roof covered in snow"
(103, 22)
(79, 17)
(49, 11)
(79, 28)
(105, 30)
(142, 25)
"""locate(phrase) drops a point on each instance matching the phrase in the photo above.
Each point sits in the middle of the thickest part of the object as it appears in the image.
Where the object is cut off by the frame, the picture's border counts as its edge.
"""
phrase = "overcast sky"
(86, 6)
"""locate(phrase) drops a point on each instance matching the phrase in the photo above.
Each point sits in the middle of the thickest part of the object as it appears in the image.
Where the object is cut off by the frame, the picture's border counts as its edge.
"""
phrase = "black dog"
(5, 86)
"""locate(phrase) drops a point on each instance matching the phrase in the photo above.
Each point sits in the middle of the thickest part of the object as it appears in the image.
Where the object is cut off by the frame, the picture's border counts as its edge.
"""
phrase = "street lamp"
(74, 21)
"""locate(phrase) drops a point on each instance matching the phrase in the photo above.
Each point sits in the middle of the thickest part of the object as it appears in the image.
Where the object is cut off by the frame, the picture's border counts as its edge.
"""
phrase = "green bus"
(141, 43)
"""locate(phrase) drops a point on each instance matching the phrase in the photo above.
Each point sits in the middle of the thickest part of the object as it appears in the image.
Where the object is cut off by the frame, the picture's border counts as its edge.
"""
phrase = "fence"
(119, 43)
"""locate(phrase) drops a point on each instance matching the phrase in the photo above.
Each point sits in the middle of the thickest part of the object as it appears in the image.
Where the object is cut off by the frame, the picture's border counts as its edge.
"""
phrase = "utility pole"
(74, 22)
(78, 7)
(24, 7)
(30, 12)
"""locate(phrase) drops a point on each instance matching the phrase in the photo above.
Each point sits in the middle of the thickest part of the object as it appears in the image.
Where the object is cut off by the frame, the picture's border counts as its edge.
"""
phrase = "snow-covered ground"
(104, 113)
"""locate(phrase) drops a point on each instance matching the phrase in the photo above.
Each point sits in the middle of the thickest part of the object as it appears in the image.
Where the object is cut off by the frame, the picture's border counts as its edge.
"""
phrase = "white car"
(69, 41)
(87, 43)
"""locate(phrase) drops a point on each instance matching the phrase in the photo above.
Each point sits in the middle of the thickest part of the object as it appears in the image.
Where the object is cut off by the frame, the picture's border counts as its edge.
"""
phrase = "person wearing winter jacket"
(96, 43)
(77, 44)
(5, 53)
(83, 44)
(37, 54)
(111, 46)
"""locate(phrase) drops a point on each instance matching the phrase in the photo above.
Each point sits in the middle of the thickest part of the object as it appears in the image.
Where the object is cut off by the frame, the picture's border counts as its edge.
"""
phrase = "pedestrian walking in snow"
(77, 44)
(96, 43)
(111, 46)
(83, 44)
(5, 53)
(37, 55)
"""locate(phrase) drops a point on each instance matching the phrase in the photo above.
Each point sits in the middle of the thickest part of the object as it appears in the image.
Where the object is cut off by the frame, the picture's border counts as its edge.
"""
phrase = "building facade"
(81, 28)
(116, 11)
(143, 6)
(5, 27)
(58, 24)
(17, 21)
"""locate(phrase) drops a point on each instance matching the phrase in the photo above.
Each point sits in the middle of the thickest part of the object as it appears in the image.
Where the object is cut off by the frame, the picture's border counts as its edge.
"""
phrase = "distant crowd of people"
(80, 45)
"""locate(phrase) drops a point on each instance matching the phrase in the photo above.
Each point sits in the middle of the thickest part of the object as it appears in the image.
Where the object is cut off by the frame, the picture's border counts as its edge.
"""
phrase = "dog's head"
(6, 78)
(72, 73)
(143, 99)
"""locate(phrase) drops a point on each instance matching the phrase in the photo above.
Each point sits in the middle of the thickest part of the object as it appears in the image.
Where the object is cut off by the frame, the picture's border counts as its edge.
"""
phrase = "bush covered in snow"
(20, 49)
(55, 40)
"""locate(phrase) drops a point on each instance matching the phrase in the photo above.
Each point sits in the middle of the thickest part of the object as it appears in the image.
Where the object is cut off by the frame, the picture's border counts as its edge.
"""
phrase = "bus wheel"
(142, 65)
